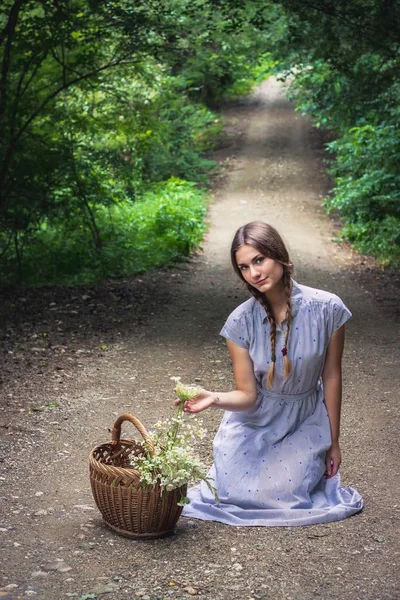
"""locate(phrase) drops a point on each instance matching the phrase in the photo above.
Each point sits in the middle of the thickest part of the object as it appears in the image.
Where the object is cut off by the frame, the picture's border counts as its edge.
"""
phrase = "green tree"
(99, 101)
(343, 59)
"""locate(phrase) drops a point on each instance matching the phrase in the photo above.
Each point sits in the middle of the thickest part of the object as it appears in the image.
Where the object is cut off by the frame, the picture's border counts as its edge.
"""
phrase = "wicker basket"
(128, 508)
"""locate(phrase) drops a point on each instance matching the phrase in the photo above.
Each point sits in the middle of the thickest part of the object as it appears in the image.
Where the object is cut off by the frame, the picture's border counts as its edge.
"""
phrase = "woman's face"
(259, 271)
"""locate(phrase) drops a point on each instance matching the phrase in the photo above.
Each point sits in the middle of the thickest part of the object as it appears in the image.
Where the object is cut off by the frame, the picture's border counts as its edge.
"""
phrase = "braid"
(272, 332)
(272, 336)
(287, 365)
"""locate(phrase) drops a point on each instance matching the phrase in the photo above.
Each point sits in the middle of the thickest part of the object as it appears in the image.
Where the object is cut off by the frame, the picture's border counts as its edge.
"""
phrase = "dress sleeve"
(339, 314)
(236, 329)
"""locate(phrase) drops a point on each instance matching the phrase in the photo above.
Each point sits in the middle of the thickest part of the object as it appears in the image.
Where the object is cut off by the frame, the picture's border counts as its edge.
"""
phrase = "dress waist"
(288, 397)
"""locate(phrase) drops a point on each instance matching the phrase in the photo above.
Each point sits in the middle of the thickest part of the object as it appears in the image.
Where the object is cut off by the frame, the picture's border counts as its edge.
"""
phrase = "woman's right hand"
(200, 402)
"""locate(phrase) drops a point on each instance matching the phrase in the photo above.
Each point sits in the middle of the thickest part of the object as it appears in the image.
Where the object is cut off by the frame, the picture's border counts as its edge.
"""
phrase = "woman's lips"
(261, 281)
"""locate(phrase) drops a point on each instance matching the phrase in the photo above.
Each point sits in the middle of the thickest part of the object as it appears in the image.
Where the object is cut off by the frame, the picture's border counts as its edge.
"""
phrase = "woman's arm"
(242, 397)
(332, 380)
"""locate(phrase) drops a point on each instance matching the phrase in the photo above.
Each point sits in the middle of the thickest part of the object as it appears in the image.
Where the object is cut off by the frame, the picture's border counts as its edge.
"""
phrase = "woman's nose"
(254, 271)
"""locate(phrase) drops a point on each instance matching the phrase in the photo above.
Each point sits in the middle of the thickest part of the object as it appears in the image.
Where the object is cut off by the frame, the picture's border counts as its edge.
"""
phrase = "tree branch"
(335, 13)
(8, 35)
(4, 165)
(63, 87)
(12, 21)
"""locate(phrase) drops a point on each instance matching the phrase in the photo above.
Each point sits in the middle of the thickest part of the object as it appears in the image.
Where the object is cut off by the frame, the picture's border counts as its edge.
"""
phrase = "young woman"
(276, 453)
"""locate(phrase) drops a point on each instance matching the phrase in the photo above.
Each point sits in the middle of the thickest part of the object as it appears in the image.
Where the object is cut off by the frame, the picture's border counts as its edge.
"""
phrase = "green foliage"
(178, 133)
(342, 60)
(217, 49)
(163, 226)
(264, 68)
(367, 189)
(377, 238)
(100, 105)
(106, 113)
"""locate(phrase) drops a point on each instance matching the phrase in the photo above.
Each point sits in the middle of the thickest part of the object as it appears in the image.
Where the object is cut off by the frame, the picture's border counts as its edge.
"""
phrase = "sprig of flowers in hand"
(185, 392)
(173, 463)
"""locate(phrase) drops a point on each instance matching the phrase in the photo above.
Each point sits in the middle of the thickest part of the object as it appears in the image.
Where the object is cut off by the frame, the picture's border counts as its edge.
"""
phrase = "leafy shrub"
(163, 226)
(367, 189)
(179, 132)
(377, 238)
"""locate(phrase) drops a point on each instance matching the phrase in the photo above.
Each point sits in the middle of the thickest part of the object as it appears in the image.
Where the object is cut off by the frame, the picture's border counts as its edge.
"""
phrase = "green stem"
(175, 427)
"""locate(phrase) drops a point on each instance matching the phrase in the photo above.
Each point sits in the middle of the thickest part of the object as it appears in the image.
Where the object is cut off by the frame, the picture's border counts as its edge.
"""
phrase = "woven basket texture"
(128, 508)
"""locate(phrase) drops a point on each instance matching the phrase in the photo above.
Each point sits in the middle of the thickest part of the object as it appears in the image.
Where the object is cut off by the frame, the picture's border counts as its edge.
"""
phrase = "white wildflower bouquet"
(173, 463)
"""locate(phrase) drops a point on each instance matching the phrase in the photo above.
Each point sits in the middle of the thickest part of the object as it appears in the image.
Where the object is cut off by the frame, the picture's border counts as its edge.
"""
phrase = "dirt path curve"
(114, 348)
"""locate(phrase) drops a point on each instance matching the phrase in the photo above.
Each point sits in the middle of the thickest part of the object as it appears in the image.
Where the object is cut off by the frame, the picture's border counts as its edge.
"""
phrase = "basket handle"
(116, 431)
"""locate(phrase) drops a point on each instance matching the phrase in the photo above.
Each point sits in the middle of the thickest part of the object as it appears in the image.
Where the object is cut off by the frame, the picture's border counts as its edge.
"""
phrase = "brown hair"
(268, 242)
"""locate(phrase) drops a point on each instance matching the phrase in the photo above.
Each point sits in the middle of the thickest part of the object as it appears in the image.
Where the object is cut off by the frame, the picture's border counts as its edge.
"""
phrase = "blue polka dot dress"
(269, 462)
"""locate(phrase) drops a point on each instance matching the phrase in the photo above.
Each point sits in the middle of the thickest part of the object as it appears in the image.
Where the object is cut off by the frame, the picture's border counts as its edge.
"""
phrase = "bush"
(367, 189)
(164, 226)
(378, 238)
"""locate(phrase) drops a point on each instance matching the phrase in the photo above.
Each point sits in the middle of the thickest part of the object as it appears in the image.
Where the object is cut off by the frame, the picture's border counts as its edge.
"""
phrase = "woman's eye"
(259, 260)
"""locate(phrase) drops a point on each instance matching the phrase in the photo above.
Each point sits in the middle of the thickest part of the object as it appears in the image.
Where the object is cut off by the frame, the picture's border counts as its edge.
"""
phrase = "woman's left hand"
(202, 401)
(333, 460)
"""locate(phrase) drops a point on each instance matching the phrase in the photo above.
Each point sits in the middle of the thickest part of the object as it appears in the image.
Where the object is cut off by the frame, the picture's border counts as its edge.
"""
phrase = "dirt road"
(76, 359)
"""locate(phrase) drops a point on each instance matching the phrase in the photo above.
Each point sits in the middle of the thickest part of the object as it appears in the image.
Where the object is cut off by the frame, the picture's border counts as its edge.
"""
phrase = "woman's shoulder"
(315, 296)
(240, 324)
(244, 310)
(321, 304)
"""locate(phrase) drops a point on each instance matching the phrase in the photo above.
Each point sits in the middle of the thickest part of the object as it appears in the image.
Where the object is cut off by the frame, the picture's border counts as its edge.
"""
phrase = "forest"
(109, 111)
